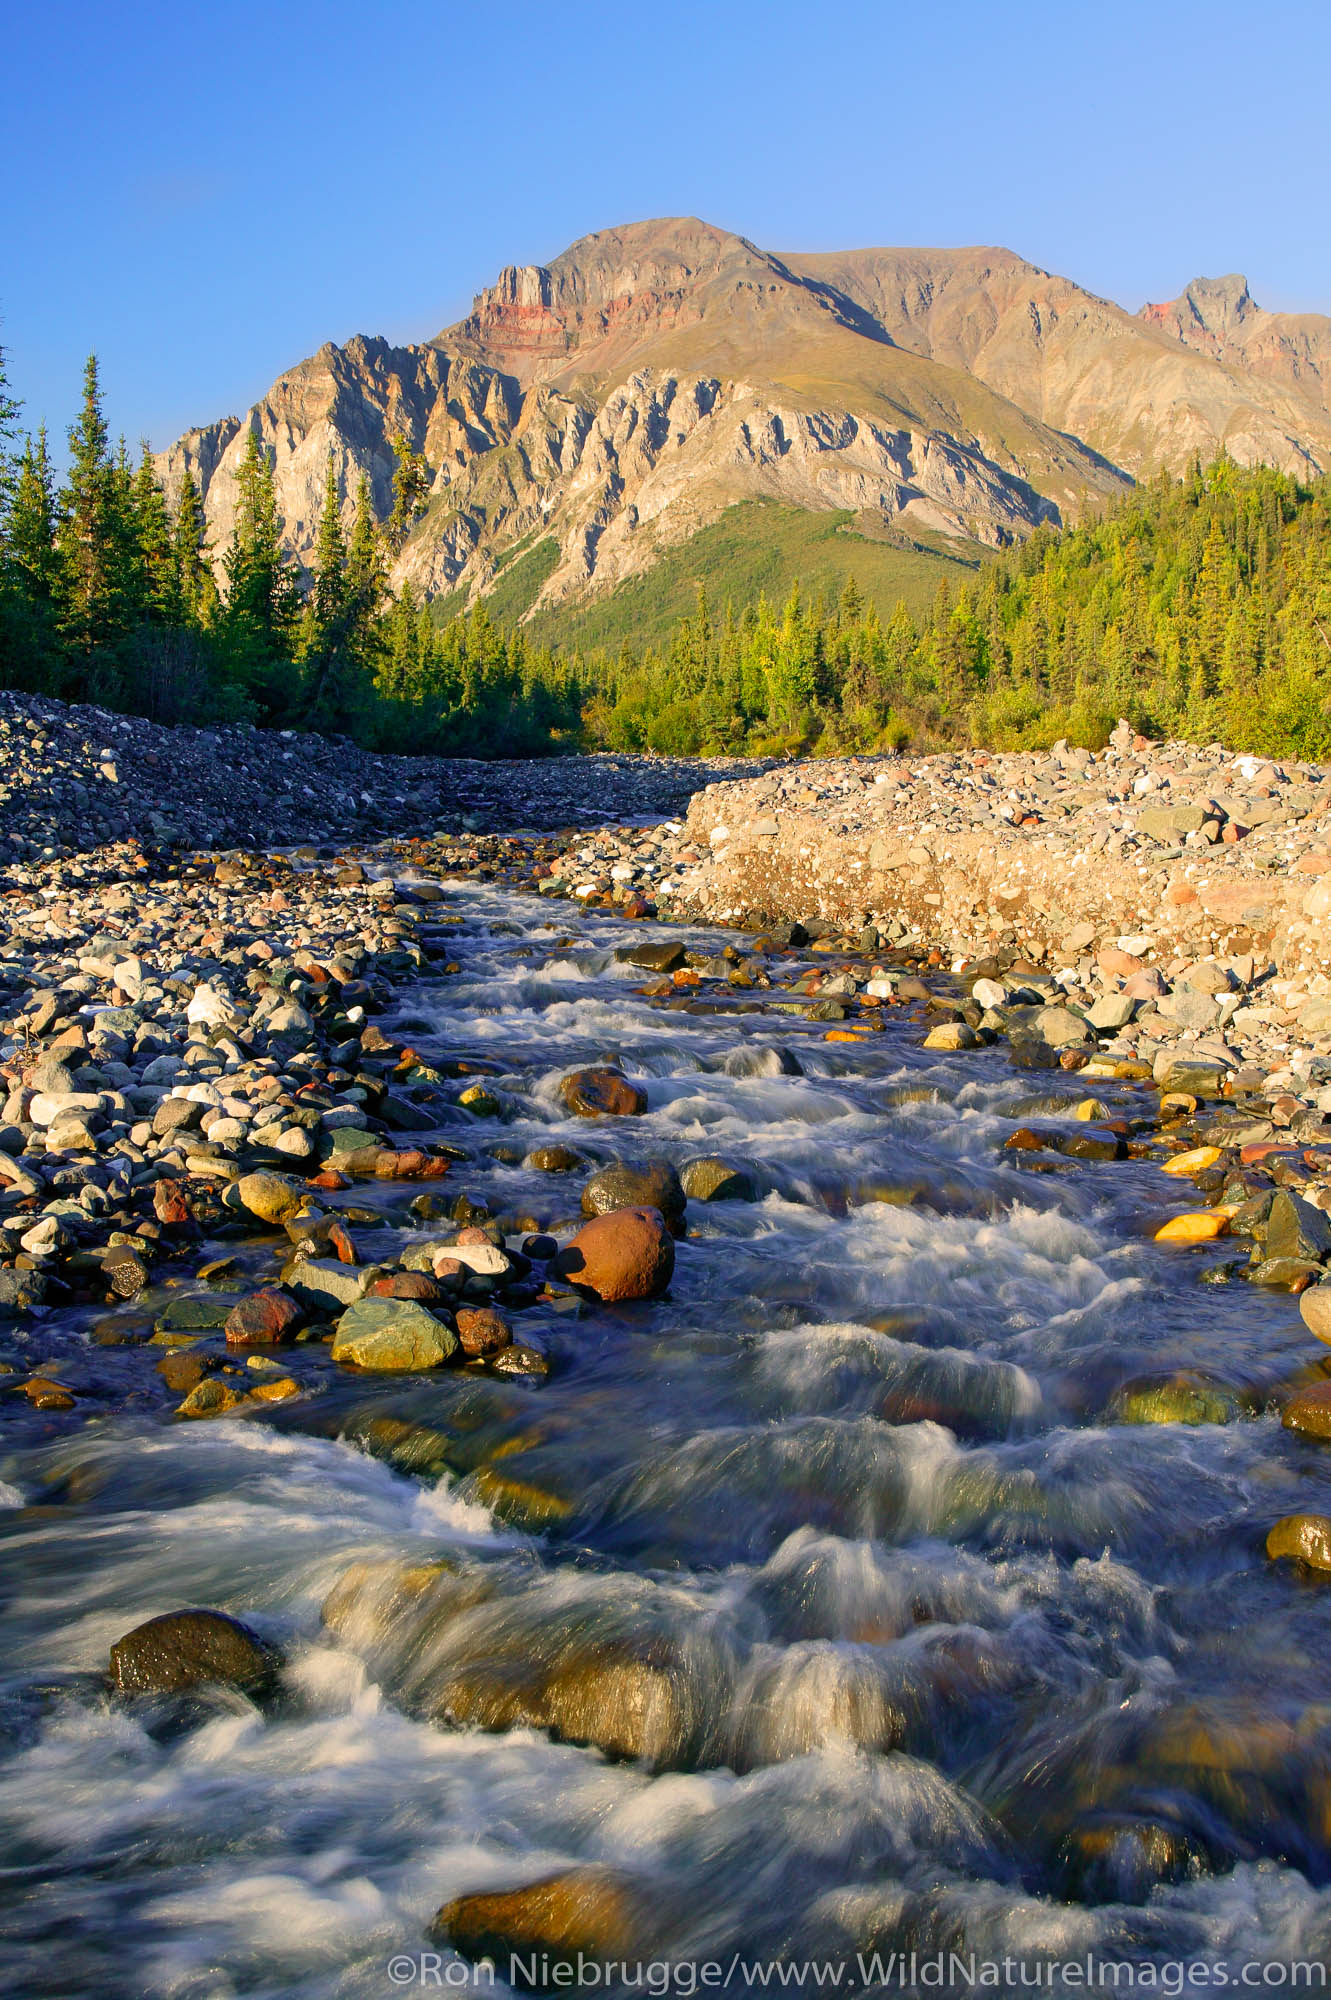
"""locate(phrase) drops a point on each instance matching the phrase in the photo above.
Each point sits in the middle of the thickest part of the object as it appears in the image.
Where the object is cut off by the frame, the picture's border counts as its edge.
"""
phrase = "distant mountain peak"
(1208, 312)
(596, 410)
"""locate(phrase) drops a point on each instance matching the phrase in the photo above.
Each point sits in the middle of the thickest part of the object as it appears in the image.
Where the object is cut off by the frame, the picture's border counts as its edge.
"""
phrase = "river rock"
(553, 1160)
(652, 1184)
(1309, 1411)
(124, 1270)
(263, 1319)
(582, 1916)
(602, 1093)
(627, 1255)
(1111, 1012)
(268, 1197)
(1194, 1076)
(1315, 1306)
(324, 1285)
(1294, 1228)
(952, 1035)
(712, 1178)
(481, 1331)
(667, 956)
(183, 1649)
(1060, 1027)
(1304, 1537)
(392, 1334)
(210, 1398)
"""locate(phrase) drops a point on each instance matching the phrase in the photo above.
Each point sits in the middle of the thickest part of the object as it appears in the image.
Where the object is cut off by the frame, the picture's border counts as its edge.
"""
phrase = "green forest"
(1198, 607)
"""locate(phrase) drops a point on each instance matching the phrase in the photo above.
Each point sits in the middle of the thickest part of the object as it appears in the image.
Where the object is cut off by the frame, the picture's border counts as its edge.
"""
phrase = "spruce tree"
(411, 486)
(85, 537)
(195, 585)
(258, 629)
(155, 549)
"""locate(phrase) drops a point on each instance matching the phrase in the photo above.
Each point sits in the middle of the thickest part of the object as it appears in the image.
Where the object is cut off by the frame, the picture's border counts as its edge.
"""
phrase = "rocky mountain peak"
(594, 411)
(611, 288)
(1207, 313)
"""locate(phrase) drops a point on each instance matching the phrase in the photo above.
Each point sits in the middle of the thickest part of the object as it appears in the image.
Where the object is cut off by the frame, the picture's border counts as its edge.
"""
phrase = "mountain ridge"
(655, 374)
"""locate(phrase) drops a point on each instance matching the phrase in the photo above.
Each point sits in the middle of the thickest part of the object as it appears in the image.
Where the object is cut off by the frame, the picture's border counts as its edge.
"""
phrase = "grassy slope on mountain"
(1197, 607)
(756, 548)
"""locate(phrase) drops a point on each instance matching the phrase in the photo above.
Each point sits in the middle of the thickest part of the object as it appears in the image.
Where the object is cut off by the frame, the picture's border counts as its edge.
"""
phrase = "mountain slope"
(1149, 391)
(650, 378)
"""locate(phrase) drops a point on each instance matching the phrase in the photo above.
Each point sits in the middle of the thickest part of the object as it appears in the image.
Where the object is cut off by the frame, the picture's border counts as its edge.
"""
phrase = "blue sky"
(204, 194)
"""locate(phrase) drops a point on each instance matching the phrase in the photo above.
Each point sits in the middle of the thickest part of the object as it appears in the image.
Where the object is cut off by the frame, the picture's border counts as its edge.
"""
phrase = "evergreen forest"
(1197, 607)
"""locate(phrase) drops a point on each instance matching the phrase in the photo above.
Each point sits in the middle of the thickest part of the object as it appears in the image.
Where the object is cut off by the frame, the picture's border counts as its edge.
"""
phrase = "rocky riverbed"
(863, 1361)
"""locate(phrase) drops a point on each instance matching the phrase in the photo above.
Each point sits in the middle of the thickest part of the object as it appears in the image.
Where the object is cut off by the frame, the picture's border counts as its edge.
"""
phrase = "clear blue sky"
(205, 193)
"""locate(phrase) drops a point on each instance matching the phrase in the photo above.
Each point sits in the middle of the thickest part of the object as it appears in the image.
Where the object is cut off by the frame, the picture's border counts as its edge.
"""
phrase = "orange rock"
(1202, 1226)
(1194, 1162)
(1304, 1537)
(1309, 1411)
(629, 1254)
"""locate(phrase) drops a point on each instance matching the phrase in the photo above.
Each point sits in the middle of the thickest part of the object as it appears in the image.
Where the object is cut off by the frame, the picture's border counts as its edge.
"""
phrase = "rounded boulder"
(629, 1254)
(602, 1093)
(184, 1649)
(653, 1184)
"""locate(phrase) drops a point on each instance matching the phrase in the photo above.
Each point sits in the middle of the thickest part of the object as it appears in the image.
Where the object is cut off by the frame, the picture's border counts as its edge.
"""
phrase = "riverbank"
(180, 1022)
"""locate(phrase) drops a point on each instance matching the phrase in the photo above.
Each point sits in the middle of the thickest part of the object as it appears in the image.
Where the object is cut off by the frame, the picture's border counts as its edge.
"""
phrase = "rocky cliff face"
(618, 399)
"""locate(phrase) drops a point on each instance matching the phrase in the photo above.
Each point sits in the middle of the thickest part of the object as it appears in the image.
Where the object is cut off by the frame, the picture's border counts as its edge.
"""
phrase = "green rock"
(196, 1312)
(323, 1284)
(392, 1334)
(1195, 1075)
(654, 1184)
(1181, 1400)
(1294, 1228)
(714, 1179)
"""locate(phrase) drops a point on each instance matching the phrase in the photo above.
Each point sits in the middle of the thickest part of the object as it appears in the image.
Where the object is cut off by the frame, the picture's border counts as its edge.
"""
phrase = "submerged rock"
(557, 1926)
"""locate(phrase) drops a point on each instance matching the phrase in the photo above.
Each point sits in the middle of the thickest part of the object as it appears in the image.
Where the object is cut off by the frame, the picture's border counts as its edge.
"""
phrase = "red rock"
(329, 1181)
(1115, 962)
(472, 1234)
(262, 1320)
(170, 1206)
(481, 1330)
(409, 1285)
(411, 1164)
(629, 1254)
(602, 1093)
(340, 1242)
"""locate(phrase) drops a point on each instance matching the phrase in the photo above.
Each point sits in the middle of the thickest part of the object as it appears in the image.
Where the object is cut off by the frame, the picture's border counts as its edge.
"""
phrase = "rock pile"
(74, 778)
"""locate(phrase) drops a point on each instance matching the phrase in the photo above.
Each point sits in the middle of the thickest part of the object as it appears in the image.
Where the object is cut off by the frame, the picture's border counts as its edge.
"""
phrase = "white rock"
(210, 1008)
(49, 1105)
(989, 993)
(485, 1259)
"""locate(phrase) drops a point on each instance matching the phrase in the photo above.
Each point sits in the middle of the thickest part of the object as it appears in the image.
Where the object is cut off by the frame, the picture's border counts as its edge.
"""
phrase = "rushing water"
(902, 1640)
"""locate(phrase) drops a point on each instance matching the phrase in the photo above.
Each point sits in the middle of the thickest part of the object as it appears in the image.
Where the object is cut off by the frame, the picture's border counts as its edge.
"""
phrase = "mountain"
(590, 416)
